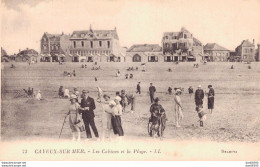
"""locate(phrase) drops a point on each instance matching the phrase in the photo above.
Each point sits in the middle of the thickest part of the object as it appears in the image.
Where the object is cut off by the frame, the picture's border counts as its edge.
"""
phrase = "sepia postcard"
(121, 80)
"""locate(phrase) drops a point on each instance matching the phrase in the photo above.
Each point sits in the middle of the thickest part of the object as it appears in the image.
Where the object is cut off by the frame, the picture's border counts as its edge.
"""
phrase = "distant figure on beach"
(152, 90)
(170, 90)
(131, 100)
(232, 67)
(61, 92)
(126, 76)
(66, 93)
(249, 67)
(190, 90)
(131, 76)
(118, 73)
(211, 96)
(38, 95)
(124, 100)
(178, 108)
(199, 96)
(138, 88)
(74, 73)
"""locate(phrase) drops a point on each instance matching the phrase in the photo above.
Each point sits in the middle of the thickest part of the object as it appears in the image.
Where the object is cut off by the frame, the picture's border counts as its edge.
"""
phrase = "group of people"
(132, 69)
(81, 110)
(64, 92)
(178, 108)
(130, 76)
(68, 74)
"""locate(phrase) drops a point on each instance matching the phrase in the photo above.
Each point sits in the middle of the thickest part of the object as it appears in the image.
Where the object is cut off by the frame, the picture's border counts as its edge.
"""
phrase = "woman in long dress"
(74, 118)
(106, 117)
(211, 96)
(116, 118)
(178, 108)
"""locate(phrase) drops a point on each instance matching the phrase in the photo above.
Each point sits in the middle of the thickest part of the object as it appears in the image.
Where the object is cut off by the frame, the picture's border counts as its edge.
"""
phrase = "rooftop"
(214, 46)
(145, 48)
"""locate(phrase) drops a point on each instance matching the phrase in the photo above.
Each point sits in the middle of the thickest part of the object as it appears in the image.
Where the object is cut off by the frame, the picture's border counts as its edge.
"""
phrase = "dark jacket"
(199, 95)
(156, 111)
(138, 87)
(211, 93)
(89, 102)
(152, 89)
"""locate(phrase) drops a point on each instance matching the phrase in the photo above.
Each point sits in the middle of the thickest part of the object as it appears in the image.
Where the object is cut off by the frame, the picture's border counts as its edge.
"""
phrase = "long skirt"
(73, 126)
(117, 125)
(211, 103)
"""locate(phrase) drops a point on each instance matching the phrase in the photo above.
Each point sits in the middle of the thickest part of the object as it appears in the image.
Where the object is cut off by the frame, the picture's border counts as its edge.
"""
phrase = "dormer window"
(166, 37)
(82, 35)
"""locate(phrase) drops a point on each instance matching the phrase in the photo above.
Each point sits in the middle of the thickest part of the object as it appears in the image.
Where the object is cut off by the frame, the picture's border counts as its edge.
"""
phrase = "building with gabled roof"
(94, 43)
(215, 52)
(144, 53)
(55, 47)
(28, 55)
(181, 46)
(245, 51)
(4, 56)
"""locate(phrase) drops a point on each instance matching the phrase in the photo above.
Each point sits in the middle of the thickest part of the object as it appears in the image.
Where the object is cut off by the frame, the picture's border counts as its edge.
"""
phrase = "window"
(185, 36)
(91, 44)
(44, 47)
(108, 44)
(82, 43)
(251, 50)
(166, 37)
(74, 44)
(100, 43)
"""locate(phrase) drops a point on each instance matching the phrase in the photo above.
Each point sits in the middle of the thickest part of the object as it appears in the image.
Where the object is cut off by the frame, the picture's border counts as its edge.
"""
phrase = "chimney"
(62, 33)
(27, 49)
(19, 50)
(254, 41)
(115, 27)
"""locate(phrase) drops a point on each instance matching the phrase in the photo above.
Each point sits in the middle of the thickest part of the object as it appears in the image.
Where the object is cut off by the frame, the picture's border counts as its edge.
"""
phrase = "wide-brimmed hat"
(85, 91)
(73, 97)
(178, 90)
(199, 86)
(118, 98)
(209, 86)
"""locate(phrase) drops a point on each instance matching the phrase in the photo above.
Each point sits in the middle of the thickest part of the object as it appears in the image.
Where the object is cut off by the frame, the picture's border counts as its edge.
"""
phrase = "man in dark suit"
(138, 88)
(152, 89)
(199, 96)
(87, 107)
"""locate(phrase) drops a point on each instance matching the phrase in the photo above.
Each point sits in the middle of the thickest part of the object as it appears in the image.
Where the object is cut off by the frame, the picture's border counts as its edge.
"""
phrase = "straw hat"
(73, 97)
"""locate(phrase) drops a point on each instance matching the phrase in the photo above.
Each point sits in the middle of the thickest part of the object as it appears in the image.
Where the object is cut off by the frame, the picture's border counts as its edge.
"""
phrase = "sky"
(137, 21)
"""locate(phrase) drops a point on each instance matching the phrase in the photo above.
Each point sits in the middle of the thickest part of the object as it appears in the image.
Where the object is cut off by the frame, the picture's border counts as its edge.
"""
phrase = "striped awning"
(62, 55)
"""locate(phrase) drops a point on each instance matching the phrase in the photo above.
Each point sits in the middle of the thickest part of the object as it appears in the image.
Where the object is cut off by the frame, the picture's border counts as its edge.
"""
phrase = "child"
(201, 114)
